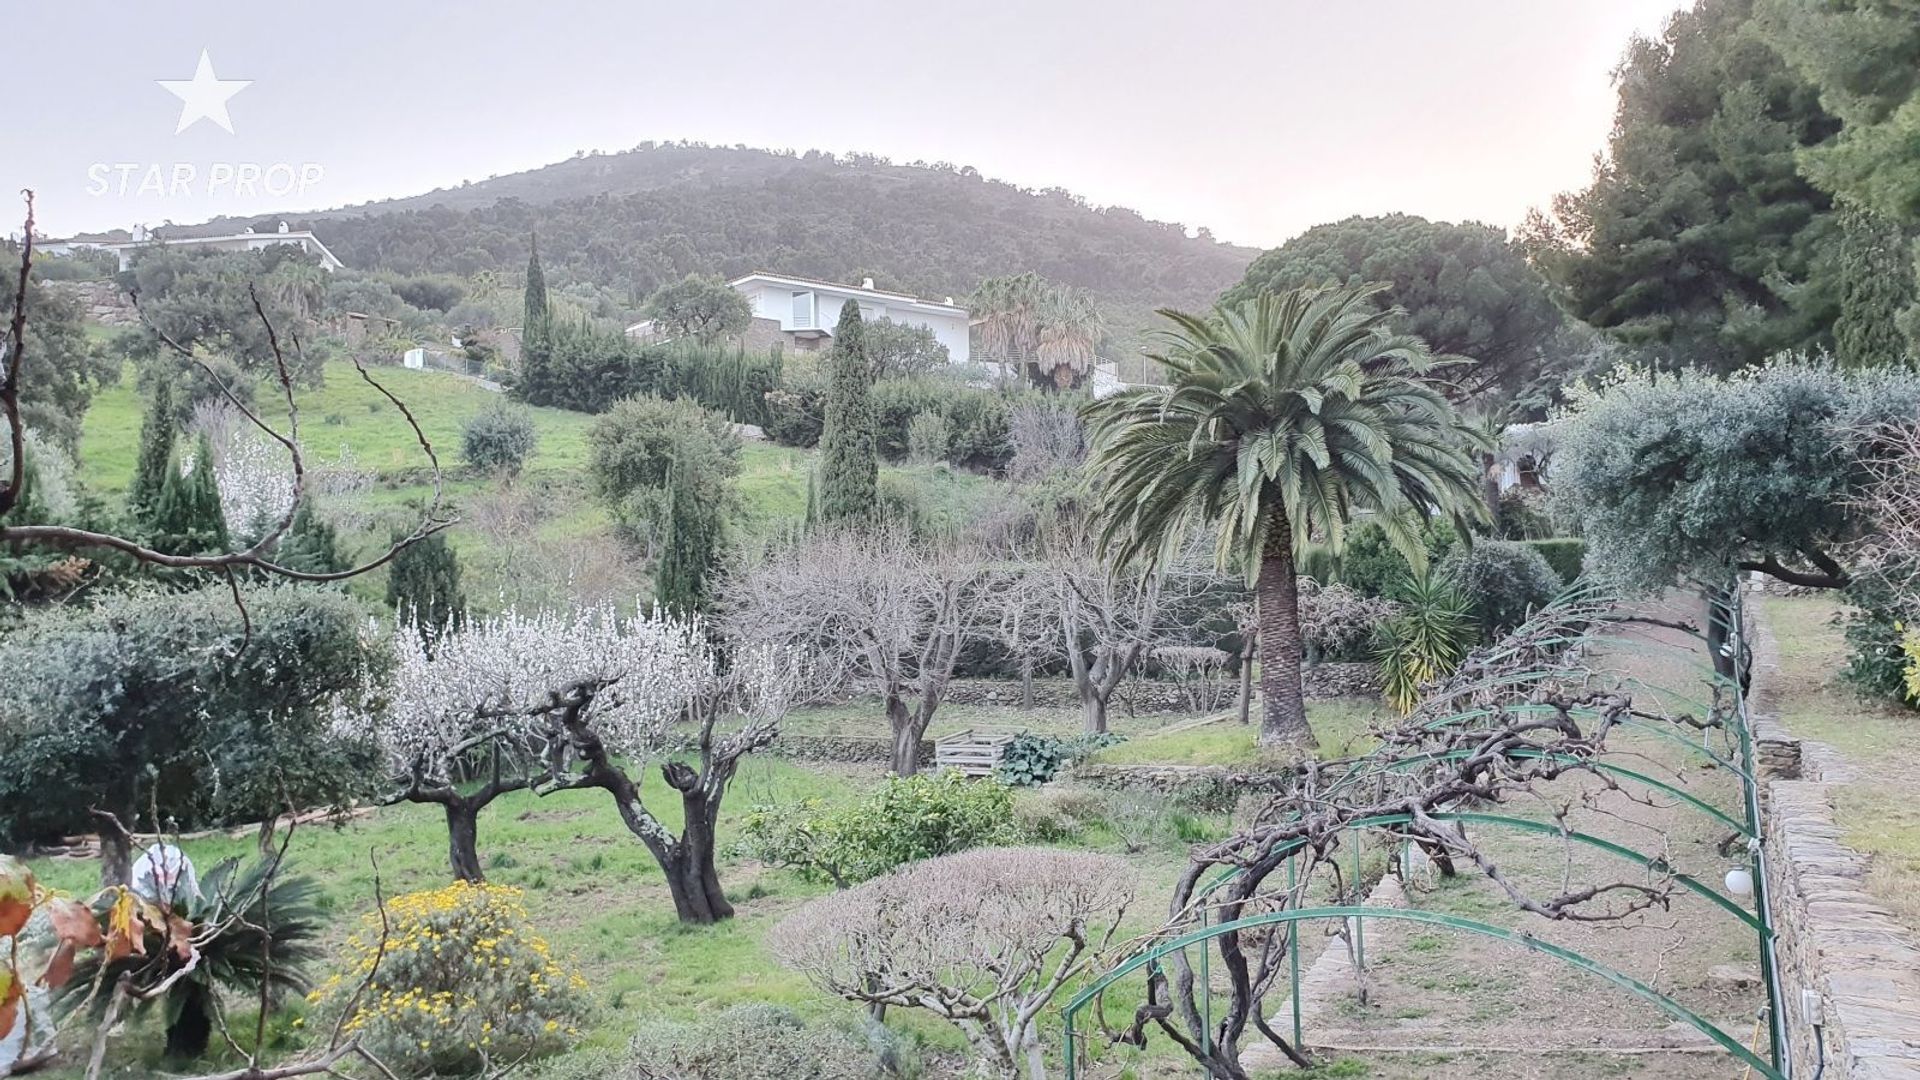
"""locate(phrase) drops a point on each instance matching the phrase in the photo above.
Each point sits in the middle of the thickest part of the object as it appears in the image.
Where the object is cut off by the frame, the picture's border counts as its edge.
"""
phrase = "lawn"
(1340, 728)
(594, 892)
(1881, 810)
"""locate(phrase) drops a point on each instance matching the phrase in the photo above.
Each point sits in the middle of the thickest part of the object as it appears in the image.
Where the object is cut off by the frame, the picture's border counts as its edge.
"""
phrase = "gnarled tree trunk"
(907, 727)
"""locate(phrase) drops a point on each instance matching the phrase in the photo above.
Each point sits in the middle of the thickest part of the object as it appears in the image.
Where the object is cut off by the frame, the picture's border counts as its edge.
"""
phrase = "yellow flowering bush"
(464, 983)
(1910, 652)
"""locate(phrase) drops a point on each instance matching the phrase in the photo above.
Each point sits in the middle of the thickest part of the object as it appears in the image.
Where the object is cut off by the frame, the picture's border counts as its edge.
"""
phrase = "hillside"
(631, 221)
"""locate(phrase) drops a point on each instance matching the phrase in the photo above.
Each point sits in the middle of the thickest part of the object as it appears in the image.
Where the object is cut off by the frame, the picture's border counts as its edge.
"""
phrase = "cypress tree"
(535, 383)
(683, 582)
(423, 582)
(536, 297)
(156, 453)
(849, 462)
(310, 544)
(187, 518)
(1876, 287)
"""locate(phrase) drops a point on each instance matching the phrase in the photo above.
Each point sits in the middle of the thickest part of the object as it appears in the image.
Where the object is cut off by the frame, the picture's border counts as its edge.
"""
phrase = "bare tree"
(983, 939)
(869, 610)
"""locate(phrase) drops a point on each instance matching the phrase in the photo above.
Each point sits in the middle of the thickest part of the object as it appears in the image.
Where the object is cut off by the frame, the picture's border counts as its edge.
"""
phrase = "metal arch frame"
(1753, 1061)
(1779, 1068)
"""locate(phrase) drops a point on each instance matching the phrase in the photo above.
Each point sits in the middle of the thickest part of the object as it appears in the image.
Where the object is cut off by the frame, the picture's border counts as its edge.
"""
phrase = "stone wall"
(1329, 680)
(1831, 934)
(100, 301)
(843, 749)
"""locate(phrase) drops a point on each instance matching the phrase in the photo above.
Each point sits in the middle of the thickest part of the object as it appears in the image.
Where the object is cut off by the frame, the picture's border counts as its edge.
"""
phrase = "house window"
(803, 311)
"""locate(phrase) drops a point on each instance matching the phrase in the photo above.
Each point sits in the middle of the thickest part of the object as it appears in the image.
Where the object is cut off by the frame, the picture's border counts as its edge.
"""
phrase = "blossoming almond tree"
(472, 715)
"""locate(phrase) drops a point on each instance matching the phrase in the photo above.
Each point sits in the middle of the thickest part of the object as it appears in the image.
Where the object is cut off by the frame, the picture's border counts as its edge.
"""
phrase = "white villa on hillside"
(801, 312)
(241, 241)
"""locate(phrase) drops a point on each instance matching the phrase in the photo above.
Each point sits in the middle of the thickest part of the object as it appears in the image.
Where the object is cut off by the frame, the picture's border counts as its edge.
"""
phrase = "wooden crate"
(973, 753)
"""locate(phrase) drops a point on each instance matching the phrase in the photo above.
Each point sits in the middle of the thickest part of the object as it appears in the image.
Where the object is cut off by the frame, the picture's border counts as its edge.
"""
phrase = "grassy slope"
(1881, 811)
(345, 417)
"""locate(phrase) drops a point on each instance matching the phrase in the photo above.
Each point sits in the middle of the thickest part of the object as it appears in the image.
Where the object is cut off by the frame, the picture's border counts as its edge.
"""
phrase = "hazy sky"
(1257, 118)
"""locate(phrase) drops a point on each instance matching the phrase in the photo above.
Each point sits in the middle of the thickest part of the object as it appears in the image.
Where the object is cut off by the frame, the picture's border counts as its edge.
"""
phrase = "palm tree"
(1052, 329)
(1288, 416)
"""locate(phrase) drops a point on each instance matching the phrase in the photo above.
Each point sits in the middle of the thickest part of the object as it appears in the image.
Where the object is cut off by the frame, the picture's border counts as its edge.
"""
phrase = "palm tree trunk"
(1283, 717)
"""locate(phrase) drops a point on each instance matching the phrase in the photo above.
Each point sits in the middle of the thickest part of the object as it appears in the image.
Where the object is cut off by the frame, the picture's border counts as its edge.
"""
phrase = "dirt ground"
(1441, 1003)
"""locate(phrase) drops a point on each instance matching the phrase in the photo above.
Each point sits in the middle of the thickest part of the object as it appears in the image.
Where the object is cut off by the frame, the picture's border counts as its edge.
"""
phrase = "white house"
(803, 311)
(242, 241)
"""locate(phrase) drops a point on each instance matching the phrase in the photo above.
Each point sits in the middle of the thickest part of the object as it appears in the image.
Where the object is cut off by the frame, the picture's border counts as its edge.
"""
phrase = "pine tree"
(310, 545)
(156, 453)
(423, 583)
(849, 462)
(683, 581)
(1876, 287)
(186, 517)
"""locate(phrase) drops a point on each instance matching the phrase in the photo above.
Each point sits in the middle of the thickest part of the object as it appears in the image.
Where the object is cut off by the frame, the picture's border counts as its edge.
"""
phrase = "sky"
(1254, 118)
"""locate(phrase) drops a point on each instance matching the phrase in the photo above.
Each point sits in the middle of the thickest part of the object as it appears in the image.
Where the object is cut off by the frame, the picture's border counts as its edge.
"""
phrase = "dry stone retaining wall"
(1832, 935)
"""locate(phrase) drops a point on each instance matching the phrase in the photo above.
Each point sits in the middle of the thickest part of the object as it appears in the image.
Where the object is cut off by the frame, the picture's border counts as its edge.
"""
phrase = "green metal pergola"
(1738, 762)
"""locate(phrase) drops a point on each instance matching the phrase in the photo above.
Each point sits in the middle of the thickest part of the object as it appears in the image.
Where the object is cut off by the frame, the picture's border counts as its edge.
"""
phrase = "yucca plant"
(249, 925)
(1426, 641)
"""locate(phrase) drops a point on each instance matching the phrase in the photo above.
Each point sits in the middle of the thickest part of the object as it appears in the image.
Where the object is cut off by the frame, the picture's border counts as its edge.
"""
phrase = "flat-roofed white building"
(805, 311)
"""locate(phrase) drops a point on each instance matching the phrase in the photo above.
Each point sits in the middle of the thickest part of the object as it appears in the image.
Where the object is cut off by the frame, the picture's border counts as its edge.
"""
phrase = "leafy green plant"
(1426, 641)
(498, 439)
(904, 820)
(1030, 760)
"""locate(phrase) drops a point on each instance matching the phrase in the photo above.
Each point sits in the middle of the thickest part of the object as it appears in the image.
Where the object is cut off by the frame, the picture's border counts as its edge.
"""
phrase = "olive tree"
(983, 939)
(1690, 475)
(1674, 475)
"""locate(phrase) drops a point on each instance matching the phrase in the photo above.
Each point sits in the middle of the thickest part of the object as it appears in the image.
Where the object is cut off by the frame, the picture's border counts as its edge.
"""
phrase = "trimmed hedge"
(1566, 554)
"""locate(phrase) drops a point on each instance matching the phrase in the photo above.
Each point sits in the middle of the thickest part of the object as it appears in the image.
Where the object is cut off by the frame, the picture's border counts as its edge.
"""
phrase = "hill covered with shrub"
(632, 221)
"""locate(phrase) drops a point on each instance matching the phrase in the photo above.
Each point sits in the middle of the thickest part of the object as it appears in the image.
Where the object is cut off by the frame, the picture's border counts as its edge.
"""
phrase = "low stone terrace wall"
(1832, 935)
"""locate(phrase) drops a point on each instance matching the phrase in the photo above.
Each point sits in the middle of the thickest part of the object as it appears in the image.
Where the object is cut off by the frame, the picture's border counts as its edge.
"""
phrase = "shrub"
(499, 438)
(463, 980)
(1567, 555)
(765, 1042)
(1504, 580)
(642, 443)
(1058, 813)
(1337, 622)
(1877, 636)
(977, 421)
(1370, 566)
(1031, 760)
(928, 438)
(905, 819)
(796, 410)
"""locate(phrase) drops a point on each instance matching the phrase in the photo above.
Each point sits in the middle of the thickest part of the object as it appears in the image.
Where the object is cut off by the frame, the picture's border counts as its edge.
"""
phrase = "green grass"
(1880, 812)
(1339, 726)
(344, 413)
